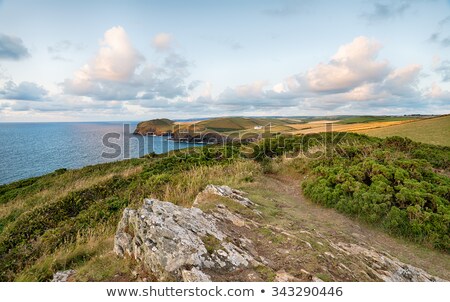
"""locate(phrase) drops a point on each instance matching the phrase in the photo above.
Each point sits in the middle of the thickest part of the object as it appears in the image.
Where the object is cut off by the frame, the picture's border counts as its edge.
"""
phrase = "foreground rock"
(225, 191)
(233, 242)
(384, 266)
(63, 276)
(177, 243)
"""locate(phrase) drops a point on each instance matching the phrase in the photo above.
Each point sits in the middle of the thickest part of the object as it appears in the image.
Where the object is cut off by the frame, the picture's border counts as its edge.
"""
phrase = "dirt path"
(296, 213)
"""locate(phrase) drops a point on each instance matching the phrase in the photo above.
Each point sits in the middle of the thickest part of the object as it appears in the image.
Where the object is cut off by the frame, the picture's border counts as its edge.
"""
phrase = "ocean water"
(34, 149)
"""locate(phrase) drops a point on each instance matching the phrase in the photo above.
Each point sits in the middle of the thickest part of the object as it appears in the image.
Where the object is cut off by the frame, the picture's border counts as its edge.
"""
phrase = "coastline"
(32, 150)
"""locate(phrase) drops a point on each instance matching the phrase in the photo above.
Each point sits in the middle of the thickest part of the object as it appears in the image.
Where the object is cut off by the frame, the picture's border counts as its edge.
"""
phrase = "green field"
(156, 126)
(227, 124)
(431, 131)
(371, 119)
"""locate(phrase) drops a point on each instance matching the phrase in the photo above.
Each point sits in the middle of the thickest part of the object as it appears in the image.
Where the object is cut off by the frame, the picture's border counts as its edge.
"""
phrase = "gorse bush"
(388, 186)
(392, 182)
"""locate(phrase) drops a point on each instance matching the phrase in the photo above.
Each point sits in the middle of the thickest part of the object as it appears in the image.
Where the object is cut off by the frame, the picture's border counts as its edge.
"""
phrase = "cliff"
(156, 127)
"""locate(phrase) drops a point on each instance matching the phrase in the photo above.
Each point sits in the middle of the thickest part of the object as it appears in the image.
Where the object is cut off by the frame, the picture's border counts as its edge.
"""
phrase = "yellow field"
(320, 126)
(435, 130)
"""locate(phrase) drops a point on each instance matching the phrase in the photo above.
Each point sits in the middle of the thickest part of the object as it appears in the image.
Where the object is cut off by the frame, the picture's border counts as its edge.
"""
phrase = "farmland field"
(431, 131)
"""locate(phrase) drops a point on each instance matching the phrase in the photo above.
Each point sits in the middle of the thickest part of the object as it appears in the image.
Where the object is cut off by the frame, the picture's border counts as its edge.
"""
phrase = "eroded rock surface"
(384, 266)
(62, 276)
(177, 243)
(226, 243)
(226, 191)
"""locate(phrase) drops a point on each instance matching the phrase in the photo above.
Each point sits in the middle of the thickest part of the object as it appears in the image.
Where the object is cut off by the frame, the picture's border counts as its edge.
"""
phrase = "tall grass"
(49, 216)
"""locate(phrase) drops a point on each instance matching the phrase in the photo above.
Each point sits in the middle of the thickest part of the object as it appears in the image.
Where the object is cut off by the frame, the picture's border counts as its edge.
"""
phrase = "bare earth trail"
(324, 227)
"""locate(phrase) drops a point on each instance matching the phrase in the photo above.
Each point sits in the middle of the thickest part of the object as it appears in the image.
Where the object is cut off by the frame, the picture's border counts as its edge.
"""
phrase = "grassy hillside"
(248, 127)
(223, 126)
(77, 211)
(67, 219)
(432, 131)
(371, 119)
(156, 126)
(228, 124)
(228, 128)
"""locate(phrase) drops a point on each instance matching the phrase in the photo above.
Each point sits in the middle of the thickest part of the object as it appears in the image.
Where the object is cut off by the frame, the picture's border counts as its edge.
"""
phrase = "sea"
(34, 149)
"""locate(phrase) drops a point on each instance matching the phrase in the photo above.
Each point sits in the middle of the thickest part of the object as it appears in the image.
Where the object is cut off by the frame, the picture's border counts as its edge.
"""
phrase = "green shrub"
(388, 185)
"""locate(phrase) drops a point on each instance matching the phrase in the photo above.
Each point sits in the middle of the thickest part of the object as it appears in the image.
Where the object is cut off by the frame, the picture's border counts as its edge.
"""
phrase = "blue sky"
(134, 60)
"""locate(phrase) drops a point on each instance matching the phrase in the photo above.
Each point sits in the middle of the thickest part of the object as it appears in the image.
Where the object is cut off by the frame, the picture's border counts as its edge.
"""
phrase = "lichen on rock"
(170, 241)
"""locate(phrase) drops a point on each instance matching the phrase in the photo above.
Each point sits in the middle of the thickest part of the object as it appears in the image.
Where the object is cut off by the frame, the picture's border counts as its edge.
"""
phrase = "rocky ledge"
(187, 244)
(63, 276)
(177, 243)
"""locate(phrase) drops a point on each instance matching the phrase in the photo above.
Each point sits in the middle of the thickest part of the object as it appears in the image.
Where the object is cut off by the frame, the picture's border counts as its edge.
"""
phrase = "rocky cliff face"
(224, 244)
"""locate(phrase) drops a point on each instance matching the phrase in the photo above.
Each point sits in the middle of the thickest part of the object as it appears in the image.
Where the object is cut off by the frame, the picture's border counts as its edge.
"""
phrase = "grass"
(266, 273)
(239, 123)
(431, 131)
(211, 243)
(418, 128)
(371, 119)
(156, 126)
(86, 248)
(42, 219)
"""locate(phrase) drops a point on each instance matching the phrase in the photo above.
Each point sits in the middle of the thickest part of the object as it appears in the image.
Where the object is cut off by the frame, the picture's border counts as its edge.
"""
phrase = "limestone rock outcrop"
(384, 266)
(229, 243)
(226, 191)
(62, 276)
(177, 243)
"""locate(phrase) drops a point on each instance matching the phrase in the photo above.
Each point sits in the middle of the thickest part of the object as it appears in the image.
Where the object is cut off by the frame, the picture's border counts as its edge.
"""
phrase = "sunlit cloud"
(163, 42)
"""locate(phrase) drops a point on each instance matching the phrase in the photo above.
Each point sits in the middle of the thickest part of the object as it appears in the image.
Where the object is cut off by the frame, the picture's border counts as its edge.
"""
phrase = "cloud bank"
(353, 77)
(120, 80)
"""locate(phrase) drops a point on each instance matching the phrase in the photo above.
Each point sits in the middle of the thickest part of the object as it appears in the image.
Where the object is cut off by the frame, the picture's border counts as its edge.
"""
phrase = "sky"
(134, 60)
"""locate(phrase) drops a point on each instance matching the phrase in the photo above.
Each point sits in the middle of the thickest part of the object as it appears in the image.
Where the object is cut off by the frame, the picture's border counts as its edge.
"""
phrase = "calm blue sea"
(33, 149)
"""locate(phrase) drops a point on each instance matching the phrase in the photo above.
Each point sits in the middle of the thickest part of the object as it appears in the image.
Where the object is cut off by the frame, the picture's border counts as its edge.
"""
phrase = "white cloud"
(437, 93)
(364, 92)
(243, 92)
(353, 78)
(256, 95)
(354, 64)
(403, 81)
(116, 60)
(162, 42)
(118, 72)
